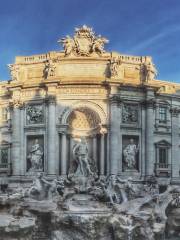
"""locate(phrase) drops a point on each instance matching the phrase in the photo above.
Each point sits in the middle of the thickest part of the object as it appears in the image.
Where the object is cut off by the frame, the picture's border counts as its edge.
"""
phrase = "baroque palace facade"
(105, 109)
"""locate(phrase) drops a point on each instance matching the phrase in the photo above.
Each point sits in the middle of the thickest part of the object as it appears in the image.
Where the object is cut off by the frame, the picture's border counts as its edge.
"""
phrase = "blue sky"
(141, 27)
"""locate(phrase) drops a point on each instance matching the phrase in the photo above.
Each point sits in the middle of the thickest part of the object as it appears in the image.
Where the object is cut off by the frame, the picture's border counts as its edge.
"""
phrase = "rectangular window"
(163, 114)
(4, 155)
(163, 158)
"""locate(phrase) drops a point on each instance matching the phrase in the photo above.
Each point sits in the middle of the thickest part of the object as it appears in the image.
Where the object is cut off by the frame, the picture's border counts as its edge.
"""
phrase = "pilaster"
(102, 154)
(63, 153)
(114, 135)
(52, 158)
(143, 140)
(95, 149)
(150, 104)
(175, 142)
(17, 154)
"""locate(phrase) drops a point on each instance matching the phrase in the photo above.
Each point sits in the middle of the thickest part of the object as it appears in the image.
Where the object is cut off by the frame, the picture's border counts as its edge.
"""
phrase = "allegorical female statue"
(129, 153)
(36, 157)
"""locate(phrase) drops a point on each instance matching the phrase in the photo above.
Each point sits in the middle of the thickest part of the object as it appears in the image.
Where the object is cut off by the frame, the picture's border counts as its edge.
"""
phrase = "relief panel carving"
(34, 114)
(130, 113)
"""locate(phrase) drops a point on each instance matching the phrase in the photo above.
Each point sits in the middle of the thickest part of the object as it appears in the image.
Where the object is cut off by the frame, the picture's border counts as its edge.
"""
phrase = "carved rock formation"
(92, 215)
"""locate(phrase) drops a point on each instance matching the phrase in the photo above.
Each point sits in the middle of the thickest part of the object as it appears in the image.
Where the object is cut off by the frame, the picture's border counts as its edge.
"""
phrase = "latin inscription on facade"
(82, 90)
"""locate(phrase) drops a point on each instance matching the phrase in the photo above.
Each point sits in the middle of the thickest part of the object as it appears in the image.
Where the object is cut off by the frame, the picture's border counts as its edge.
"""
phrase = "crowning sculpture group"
(84, 42)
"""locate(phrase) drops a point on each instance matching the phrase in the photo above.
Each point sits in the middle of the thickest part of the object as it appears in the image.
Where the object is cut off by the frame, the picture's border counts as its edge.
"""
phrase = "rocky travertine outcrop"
(109, 209)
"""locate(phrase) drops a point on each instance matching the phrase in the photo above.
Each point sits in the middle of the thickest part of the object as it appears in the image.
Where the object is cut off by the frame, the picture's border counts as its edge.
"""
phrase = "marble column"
(94, 153)
(143, 140)
(16, 138)
(114, 157)
(70, 150)
(22, 142)
(63, 153)
(175, 143)
(150, 156)
(51, 132)
(102, 155)
(156, 115)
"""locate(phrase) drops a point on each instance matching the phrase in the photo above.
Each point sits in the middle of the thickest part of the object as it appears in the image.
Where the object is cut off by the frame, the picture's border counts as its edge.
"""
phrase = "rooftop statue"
(151, 71)
(14, 71)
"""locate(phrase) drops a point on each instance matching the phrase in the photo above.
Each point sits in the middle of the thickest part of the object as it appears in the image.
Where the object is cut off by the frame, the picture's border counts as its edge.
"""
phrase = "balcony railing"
(162, 169)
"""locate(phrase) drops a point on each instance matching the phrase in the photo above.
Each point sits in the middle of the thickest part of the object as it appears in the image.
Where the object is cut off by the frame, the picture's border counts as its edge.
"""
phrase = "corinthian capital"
(115, 99)
(16, 103)
(51, 100)
(175, 111)
(150, 103)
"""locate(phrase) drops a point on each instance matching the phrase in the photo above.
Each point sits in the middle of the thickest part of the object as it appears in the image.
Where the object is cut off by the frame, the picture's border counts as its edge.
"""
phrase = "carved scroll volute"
(175, 111)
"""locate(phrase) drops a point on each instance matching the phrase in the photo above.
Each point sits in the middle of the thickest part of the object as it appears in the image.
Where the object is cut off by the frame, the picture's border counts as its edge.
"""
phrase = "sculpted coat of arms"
(84, 42)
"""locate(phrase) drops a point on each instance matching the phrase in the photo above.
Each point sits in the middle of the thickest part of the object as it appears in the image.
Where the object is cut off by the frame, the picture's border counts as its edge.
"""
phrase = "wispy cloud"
(154, 39)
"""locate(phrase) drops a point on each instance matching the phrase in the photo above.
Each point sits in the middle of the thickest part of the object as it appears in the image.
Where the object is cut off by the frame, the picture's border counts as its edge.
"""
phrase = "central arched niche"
(84, 122)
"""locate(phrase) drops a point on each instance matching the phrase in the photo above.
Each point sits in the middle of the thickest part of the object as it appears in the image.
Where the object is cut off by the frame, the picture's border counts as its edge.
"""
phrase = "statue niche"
(35, 154)
(130, 153)
(84, 127)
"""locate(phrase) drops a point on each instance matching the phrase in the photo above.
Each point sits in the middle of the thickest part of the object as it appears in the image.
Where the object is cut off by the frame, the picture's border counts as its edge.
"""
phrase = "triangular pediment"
(163, 143)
